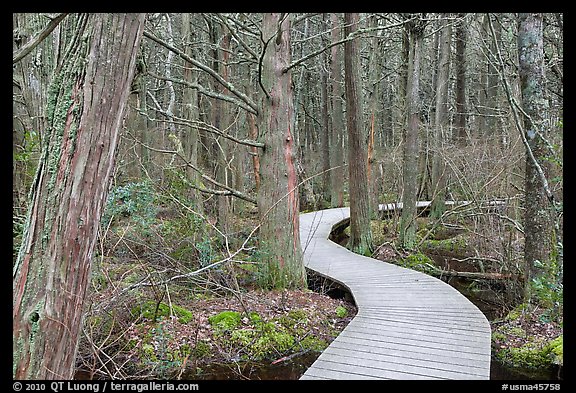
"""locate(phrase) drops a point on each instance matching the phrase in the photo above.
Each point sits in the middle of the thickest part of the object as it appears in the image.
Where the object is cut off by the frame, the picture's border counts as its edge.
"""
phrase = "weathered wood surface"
(409, 325)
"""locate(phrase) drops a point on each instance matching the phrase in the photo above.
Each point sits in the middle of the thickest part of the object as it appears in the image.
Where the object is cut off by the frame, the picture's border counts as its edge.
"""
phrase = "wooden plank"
(409, 325)
(390, 364)
(448, 361)
(410, 349)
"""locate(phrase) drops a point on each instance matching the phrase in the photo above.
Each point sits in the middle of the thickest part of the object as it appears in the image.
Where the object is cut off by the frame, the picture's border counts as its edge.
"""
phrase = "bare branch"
(236, 37)
(202, 90)
(346, 39)
(515, 107)
(229, 191)
(204, 126)
(204, 68)
(33, 43)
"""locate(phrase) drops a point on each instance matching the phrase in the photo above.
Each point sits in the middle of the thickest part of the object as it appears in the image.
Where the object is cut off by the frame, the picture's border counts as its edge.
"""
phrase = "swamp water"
(291, 369)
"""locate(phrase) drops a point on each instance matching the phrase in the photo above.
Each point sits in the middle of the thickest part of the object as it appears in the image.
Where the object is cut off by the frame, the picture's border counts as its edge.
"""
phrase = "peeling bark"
(281, 265)
(86, 107)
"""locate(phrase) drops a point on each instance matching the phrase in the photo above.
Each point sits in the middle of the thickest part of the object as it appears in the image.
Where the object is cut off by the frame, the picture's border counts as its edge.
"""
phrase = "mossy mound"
(154, 311)
(534, 354)
(523, 342)
(225, 321)
(456, 245)
(556, 350)
(418, 262)
(264, 341)
(254, 338)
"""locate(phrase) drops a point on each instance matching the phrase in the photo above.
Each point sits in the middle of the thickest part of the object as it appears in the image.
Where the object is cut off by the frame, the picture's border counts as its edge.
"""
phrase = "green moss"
(262, 343)
(271, 340)
(341, 312)
(254, 317)
(313, 343)
(455, 244)
(419, 262)
(148, 309)
(261, 339)
(555, 349)
(534, 355)
(148, 353)
(201, 350)
(497, 336)
(225, 321)
(527, 357)
(293, 319)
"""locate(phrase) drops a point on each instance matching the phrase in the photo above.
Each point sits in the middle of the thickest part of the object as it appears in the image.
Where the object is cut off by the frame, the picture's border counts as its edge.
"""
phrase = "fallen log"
(477, 275)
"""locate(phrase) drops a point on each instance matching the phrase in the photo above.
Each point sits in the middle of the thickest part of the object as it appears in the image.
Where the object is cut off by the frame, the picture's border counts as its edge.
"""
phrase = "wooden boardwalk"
(409, 325)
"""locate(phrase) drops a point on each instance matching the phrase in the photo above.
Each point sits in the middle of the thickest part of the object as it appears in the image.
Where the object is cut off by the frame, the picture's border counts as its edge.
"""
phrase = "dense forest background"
(231, 124)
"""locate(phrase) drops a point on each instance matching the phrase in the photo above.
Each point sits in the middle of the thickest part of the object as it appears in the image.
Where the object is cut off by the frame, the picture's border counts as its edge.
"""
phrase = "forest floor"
(217, 325)
(252, 334)
(274, 328)
(211, 323)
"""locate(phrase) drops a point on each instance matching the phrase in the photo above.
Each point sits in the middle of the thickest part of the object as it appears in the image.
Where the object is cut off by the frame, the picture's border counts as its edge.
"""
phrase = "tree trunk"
(219, 145)
(441, 123)
(538, 224)
(325, 140)
(190, 136)
(490, 81)
(281, 265)
(360, 231)
(374, 72)
(411, 147)
(460, 117)
(338, 174)
(85, 112)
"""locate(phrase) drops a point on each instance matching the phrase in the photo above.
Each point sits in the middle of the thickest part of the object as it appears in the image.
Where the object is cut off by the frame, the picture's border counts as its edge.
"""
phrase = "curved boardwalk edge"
(409, 325)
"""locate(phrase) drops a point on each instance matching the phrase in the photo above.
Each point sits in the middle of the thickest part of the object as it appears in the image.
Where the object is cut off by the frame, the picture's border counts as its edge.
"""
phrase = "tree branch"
(204, 68)
(230, 191)
(202, 90)
(236, 37)
(33, 43)
(204, 126)
(346, 39)
(515, 107)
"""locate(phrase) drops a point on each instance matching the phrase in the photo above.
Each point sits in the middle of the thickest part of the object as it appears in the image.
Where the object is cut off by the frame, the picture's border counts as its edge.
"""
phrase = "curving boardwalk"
(409, 325)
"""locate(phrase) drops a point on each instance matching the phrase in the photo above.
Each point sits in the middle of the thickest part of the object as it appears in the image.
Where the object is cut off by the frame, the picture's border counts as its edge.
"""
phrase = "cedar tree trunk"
(85, 112)
(282, 264)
